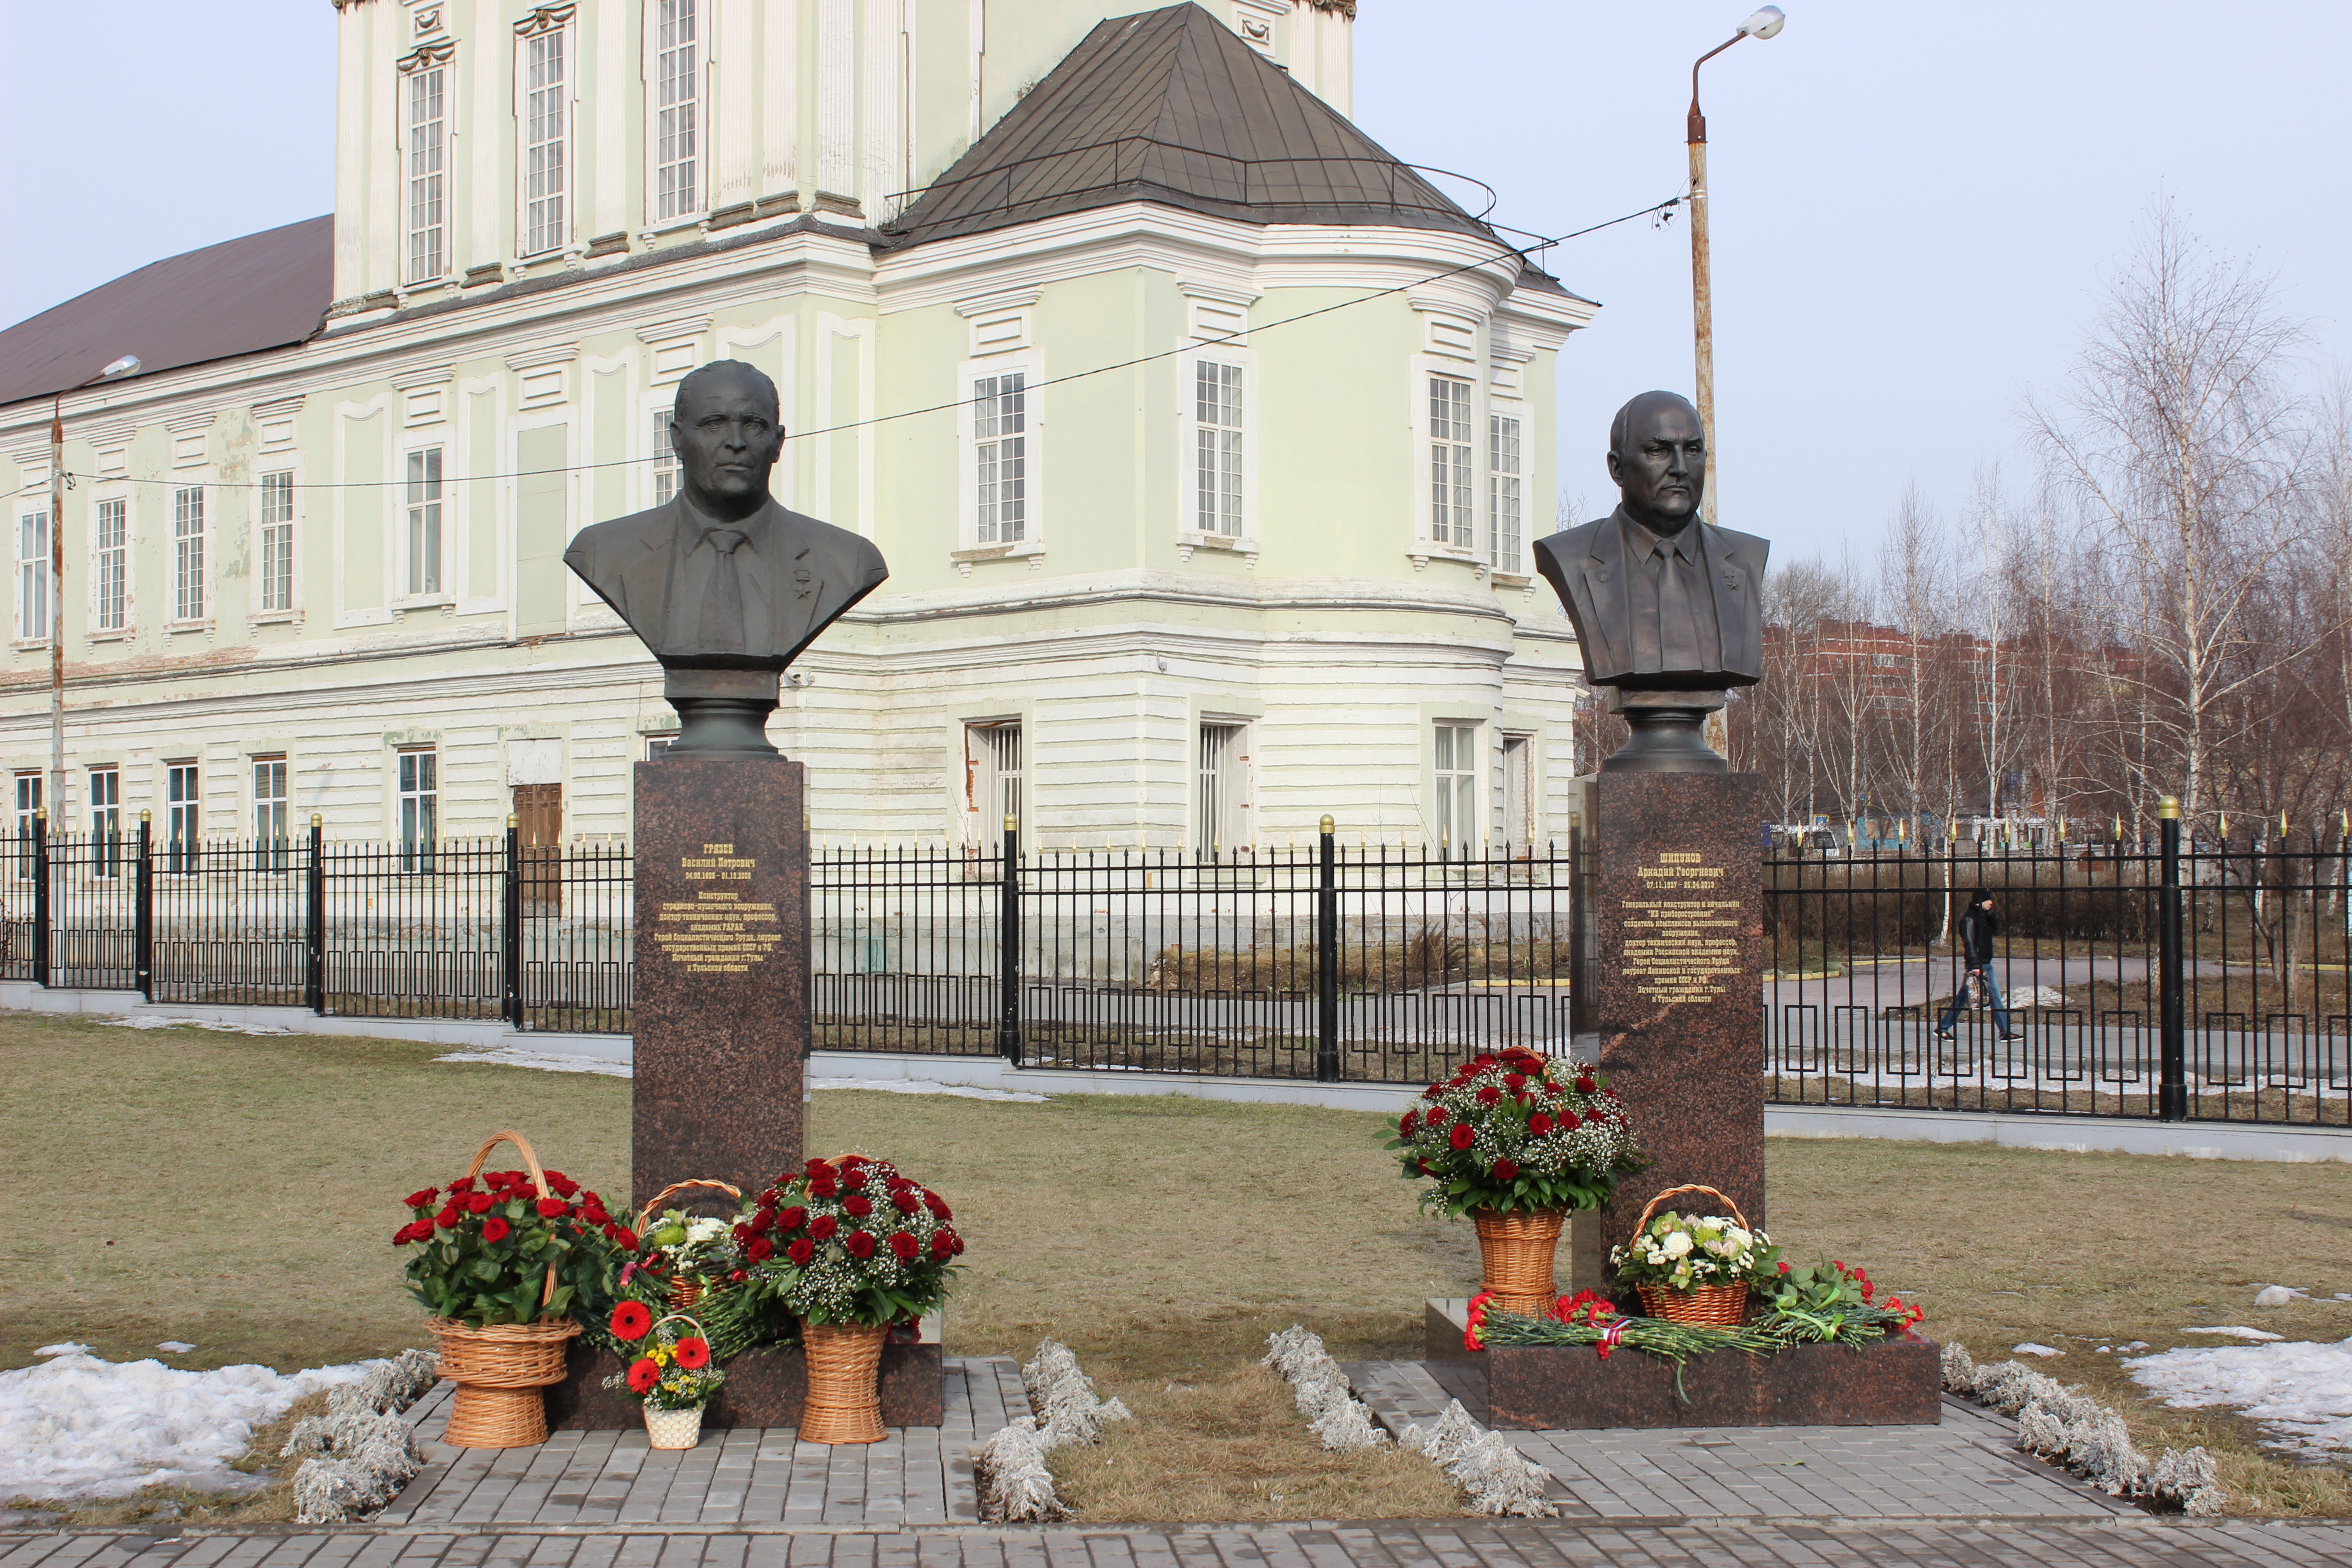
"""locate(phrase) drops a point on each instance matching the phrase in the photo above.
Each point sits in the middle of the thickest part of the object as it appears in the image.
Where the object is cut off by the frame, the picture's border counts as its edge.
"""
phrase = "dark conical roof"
(1171, 107)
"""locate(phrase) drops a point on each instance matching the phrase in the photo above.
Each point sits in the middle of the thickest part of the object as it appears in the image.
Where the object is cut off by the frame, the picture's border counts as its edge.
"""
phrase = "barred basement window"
(111, 576)
(677, 109)
(991, 771)
(1452, 465)
(1222, 825)
(428, 157)
(1217, 458)
(1000, 424)
(188, 553)
(277, 542)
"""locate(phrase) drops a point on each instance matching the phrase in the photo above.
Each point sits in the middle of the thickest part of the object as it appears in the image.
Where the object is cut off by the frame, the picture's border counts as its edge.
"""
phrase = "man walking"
(1978, 928)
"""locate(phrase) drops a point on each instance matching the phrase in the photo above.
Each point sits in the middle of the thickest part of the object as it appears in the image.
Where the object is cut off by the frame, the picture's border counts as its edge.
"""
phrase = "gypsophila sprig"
(849, 1241)
(1682, 1252)
(1516, 1131)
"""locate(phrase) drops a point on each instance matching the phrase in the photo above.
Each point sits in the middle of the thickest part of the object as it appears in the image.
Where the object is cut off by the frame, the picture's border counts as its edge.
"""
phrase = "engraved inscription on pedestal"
(717, 932)
(1680, 944)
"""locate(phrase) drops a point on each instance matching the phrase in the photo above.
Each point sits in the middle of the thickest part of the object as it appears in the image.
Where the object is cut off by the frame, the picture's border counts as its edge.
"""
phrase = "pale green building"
(1174, 560)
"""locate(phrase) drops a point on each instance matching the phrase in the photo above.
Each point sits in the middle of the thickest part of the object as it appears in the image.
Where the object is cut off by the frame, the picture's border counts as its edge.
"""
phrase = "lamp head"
(127, 365)
(1766, 23)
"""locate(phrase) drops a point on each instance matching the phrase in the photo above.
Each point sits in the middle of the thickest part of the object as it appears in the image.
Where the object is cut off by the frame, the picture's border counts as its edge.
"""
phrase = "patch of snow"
(2135, 1345)
(2300, 1390)
(153, 1021)
(541, 1061)
(175, 1347)
(2277, 1295)
(2237, 1330)
(76, 1426)
(926, 1086)
(2029, 1348)
(68, 1348)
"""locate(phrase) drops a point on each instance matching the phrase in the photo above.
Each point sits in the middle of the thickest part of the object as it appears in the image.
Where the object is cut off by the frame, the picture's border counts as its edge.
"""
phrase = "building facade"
(1205, 441)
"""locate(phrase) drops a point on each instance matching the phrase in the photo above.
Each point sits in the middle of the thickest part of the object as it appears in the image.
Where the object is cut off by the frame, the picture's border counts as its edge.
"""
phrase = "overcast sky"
(1916, 207)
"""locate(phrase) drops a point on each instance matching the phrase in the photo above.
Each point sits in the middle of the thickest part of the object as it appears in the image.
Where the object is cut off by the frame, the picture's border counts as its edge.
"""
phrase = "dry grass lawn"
(245, 1189)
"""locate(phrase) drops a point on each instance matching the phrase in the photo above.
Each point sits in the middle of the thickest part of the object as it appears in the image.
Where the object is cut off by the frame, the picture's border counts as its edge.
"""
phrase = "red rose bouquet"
(847, 1241)
(1517, 1132)
(484, 1244)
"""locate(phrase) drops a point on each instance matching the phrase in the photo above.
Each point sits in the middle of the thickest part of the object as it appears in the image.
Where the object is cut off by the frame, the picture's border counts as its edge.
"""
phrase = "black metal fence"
(2205, 980)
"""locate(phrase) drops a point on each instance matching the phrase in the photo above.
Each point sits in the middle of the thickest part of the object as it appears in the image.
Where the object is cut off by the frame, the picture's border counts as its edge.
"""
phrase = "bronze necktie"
(723, 607)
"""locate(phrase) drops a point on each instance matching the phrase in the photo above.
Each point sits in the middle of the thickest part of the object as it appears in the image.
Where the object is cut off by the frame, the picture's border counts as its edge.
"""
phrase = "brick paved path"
(1566, 1544)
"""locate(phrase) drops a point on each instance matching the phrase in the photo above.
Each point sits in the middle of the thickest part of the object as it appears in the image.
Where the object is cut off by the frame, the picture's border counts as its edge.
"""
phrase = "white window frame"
(970, 374)
(425, 195)
(1458, 785)
(697, 187)
(1520, 807)
(34, 611)
(275, 575)
(417, 806)
(564, 41)
(1223, 786)
(192, 600)
(183, 814)
(664, 473)
(109, 566)
(105, 817)
(273, 814)
(430, 515)
(1189, 520)
(1507, 488)
(28, 800)
(1449, 460)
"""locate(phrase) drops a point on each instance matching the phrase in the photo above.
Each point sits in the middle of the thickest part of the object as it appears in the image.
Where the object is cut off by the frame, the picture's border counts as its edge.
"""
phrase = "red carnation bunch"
(851, 1240)
(503, 1219)
(1513, 1131)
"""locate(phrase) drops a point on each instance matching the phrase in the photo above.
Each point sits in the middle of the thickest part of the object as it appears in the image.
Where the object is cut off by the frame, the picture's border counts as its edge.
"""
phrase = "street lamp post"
(1765, 23)
(127, 365)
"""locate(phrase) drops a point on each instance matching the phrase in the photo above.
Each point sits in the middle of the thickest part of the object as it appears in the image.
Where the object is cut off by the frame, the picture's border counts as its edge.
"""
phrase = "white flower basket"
(673, 1428)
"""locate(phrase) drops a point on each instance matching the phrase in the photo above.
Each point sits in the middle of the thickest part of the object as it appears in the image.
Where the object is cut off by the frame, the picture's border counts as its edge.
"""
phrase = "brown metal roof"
(263, 291)
(1171, 107)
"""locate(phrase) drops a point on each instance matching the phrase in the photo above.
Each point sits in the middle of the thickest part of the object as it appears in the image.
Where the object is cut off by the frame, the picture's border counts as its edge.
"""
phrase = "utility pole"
(127, 365)
(1764, 24)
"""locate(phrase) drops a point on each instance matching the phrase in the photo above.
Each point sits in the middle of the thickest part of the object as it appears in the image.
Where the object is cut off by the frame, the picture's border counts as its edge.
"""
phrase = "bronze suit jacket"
(1586, 567)
(812, 572)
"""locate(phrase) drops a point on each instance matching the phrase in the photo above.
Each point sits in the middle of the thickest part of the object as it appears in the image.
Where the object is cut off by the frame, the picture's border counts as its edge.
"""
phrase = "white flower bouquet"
(1689, 1252)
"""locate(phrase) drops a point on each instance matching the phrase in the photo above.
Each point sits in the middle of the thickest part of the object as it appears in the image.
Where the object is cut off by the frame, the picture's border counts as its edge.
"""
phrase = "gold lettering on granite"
(716, 932)
(1680, 949)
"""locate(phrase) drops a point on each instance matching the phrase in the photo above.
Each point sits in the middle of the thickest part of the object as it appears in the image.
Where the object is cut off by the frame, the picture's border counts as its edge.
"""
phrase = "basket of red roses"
(849, 1248)
(1516, 1141)
(504, 1255)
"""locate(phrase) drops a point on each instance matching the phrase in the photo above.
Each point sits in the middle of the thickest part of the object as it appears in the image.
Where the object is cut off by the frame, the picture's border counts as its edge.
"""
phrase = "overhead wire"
(1521, 252)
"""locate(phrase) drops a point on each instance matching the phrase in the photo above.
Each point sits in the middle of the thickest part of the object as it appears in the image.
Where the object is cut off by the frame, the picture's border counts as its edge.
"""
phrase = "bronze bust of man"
(725, 586)
(1666, 606)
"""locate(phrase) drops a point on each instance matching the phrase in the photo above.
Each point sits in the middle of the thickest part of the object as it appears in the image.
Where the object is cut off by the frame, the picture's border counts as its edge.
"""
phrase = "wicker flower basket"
(1710, 1306)
(673, 1428)
(844, 1383)
(500, 1370)
(683, 1294)
(1515, 1252)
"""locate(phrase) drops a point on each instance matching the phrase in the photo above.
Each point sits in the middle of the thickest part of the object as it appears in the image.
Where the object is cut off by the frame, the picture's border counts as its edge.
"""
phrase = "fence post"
(510, 926)
(1008, 928)
(2172, 1079)
(142, 912)
(1327, 960)
(314, 921)
(41, 896)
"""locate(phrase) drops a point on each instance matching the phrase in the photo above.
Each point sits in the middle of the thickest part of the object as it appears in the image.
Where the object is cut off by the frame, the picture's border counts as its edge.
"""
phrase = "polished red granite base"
(1677, 980)
(720, 1013)
(1547, 1388)
(764, 1388)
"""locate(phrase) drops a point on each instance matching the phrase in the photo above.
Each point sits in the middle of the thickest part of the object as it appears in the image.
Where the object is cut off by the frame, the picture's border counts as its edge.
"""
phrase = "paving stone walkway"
(1458, 1544)
(1967, 1466)
(916, 1474)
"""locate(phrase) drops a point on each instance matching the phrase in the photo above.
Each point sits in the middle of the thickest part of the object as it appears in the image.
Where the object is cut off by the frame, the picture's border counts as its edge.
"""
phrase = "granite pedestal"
(1546, 1388)
(720, 1015)
(1672, 977)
